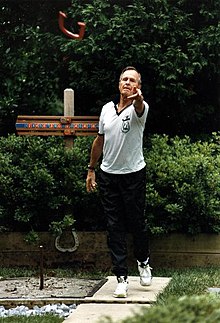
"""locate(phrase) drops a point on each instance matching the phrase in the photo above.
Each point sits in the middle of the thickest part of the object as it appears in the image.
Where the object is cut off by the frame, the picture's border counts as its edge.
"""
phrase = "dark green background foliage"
(43, 184)
(173, 43)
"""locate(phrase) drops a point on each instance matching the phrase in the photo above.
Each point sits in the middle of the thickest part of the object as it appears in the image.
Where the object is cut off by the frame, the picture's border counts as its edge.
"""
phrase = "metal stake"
(41, 268)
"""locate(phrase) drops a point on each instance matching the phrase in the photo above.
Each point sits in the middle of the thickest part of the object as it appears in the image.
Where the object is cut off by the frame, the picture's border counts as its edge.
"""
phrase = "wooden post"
(68, 111)
(68, 102)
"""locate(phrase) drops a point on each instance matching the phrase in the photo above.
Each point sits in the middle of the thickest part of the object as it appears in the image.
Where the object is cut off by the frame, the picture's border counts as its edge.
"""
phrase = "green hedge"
(183, 186)
(41, 182)
(42, 185)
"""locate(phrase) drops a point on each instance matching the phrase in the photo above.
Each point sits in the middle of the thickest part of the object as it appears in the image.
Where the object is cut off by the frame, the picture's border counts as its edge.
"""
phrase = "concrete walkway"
(103, 304)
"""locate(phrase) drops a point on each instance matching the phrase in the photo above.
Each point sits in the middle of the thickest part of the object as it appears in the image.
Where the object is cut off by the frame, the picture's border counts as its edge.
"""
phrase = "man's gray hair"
(128, 68)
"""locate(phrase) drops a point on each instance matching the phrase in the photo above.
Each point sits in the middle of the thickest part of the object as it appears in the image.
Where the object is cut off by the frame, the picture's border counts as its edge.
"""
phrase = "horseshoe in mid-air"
(82, 25)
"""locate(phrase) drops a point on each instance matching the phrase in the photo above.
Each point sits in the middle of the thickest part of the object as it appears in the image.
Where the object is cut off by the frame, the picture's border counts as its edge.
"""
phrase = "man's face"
(128, 83)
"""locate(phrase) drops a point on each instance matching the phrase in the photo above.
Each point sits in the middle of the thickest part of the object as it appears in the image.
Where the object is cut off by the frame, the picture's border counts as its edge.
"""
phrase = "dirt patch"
(53, 287)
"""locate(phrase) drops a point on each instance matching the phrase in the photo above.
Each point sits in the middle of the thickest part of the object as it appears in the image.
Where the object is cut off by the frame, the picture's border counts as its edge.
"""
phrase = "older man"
(122, 177)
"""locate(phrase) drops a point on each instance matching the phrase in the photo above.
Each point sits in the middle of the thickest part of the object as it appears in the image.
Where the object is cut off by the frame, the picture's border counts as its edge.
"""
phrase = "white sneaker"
(122, 288)
(145, 274)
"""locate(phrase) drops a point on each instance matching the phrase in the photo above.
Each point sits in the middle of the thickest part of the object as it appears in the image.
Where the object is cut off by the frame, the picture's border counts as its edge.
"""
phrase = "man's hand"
(90, 181)
(138, 100)
(137, 96)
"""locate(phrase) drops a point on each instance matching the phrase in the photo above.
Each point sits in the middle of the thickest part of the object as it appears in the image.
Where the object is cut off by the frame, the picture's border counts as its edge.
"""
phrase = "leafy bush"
(183, 186)
(197, 309)
(42, 185)
(41, 182)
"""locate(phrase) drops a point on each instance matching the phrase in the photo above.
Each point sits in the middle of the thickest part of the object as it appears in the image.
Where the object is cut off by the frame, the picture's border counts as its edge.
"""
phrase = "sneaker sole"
(120, 295)
(145, 284)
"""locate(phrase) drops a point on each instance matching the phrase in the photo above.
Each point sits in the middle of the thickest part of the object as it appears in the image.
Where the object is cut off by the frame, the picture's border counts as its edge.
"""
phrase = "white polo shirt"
(123, 139)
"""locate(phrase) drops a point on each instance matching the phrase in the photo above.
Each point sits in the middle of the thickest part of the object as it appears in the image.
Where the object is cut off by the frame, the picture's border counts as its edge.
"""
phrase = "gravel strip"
(61, 310)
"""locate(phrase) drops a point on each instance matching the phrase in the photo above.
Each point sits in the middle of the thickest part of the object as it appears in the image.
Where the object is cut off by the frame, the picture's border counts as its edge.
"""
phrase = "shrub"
(199, 309)
(41, 182)
(183, 186)
(42, 185)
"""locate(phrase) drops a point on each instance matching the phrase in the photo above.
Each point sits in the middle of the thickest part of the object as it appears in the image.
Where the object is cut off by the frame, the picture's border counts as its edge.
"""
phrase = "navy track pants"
(123, 198)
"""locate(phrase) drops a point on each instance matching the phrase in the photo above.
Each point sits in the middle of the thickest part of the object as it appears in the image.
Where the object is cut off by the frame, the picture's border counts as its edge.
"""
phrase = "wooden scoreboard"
(56, 125)
(67, 125)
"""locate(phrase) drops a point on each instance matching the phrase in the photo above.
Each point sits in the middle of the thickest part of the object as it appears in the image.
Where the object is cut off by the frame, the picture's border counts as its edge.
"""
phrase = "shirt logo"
(125, 124)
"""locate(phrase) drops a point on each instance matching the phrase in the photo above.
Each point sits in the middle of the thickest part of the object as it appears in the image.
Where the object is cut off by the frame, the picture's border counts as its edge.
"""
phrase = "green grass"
(185, 282)
(188, 282)
(32, 319)
(76, 272)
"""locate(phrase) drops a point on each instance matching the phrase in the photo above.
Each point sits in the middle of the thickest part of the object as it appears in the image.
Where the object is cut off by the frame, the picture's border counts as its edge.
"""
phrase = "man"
(122, 177)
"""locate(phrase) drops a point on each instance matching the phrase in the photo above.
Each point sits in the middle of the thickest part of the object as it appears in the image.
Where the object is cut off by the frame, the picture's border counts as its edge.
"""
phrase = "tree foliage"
(174, 44)
(31, 64)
